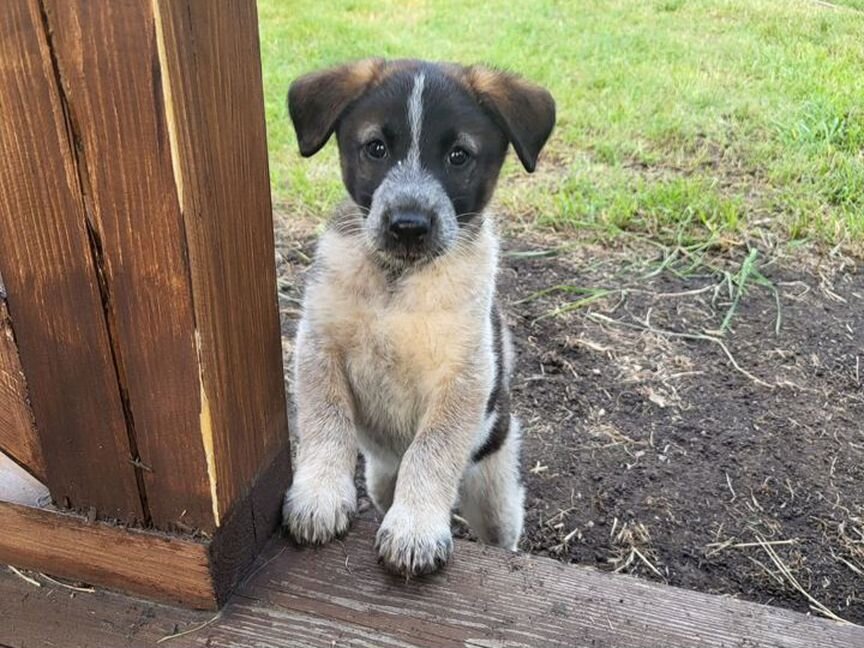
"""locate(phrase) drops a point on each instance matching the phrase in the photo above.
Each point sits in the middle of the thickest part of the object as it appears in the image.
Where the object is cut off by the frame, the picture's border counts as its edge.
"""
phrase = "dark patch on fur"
(499, 399)
(498, 351)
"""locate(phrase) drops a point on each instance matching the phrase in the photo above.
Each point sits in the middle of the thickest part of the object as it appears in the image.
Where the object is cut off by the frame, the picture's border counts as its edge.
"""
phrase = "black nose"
(410, 226)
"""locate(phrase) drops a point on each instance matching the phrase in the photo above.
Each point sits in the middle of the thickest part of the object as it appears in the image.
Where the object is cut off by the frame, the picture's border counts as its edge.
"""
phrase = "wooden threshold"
(339, 596)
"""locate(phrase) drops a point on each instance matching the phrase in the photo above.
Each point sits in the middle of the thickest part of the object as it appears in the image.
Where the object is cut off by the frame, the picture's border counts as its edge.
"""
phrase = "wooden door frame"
(140, 351)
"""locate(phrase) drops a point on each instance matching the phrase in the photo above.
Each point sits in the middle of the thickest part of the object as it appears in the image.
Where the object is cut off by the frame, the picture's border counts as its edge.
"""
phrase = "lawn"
(678, 119)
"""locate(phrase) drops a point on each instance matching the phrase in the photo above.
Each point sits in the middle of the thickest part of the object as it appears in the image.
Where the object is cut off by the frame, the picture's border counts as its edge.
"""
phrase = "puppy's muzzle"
(410, 227)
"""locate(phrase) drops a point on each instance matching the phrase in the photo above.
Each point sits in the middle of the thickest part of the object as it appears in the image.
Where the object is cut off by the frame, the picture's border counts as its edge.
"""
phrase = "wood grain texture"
(52, 615)
(486, 598)
(18, 438)
(53, 292)
(216, 120)
(158, 566)
(155, 565)
(109, 67)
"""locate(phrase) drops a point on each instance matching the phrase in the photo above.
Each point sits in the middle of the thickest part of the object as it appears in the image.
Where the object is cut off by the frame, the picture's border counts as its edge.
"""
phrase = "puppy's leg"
(492, 496)
(415, 536)
(381, 481)
(322, 499)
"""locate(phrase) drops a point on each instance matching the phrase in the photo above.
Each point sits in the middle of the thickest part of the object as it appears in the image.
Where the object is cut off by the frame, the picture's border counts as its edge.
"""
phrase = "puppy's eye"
(376, 149)
(458, 156)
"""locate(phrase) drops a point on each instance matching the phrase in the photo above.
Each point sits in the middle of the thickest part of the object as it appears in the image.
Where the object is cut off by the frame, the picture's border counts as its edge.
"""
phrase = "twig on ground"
(575, 305)
(189, 631)
(538, 468)
(24, 576)
(850, 565)
(648, 563)
(626, 540)
(345, 551)
(686, 293)
(717, 547)
(688, 336)
(77, 588)
(588, 344)
(790, 577)
(767, 570)
(535, 254)
(731, 490)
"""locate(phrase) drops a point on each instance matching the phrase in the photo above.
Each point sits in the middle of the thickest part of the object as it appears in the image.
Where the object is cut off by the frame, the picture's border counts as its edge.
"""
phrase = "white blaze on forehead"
(415, 119)
(408, 185)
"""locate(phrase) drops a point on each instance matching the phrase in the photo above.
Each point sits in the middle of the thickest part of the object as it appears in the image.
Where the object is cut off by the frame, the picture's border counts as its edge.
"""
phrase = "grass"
(718, 117)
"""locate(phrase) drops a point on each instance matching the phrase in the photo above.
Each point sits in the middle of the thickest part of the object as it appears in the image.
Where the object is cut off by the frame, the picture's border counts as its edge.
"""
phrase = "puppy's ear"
(525, 111)
(317, 100)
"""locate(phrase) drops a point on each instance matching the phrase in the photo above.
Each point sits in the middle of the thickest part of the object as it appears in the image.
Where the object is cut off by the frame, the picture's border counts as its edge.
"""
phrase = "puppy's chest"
(409, 348)
(397, 352)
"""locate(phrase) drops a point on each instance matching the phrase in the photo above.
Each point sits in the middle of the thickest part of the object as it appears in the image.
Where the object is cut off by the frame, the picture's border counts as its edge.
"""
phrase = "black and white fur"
(401, 350)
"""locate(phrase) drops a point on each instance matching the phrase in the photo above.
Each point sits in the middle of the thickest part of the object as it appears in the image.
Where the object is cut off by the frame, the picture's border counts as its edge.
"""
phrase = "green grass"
(710, 118)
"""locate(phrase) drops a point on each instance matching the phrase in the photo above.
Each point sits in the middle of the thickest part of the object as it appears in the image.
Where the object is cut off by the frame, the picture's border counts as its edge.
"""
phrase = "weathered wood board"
(486, 598)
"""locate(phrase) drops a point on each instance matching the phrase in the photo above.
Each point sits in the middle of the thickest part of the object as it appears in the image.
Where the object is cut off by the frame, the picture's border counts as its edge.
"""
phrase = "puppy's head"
(421, 144)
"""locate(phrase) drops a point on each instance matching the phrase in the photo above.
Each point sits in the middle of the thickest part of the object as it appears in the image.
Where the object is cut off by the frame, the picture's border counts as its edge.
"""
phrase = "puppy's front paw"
(316, 512)
(412, 544)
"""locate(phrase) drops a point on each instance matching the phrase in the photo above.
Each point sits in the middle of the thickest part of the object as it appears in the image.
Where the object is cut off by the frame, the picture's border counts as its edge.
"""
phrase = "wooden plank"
(214, 102)
(200, 573)
(159, 566)
(18, 438)
(53, 615)
(486, 598)
(53, 294)
(109, 67)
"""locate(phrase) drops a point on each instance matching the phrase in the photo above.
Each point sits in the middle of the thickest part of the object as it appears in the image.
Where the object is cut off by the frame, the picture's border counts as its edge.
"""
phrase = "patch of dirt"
(646, 451)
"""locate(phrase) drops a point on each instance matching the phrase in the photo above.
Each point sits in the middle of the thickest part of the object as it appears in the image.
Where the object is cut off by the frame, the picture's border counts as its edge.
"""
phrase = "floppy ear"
(525, 111)
(317, 100)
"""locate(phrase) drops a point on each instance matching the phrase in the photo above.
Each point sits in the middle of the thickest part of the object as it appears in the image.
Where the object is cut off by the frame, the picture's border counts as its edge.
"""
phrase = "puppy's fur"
(401, 349)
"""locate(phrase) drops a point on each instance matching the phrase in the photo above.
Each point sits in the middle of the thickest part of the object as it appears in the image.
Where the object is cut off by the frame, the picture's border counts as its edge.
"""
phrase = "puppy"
(401, 350)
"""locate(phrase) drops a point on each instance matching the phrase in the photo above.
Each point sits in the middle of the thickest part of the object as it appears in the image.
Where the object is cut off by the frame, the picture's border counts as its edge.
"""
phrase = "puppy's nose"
(410, 226)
